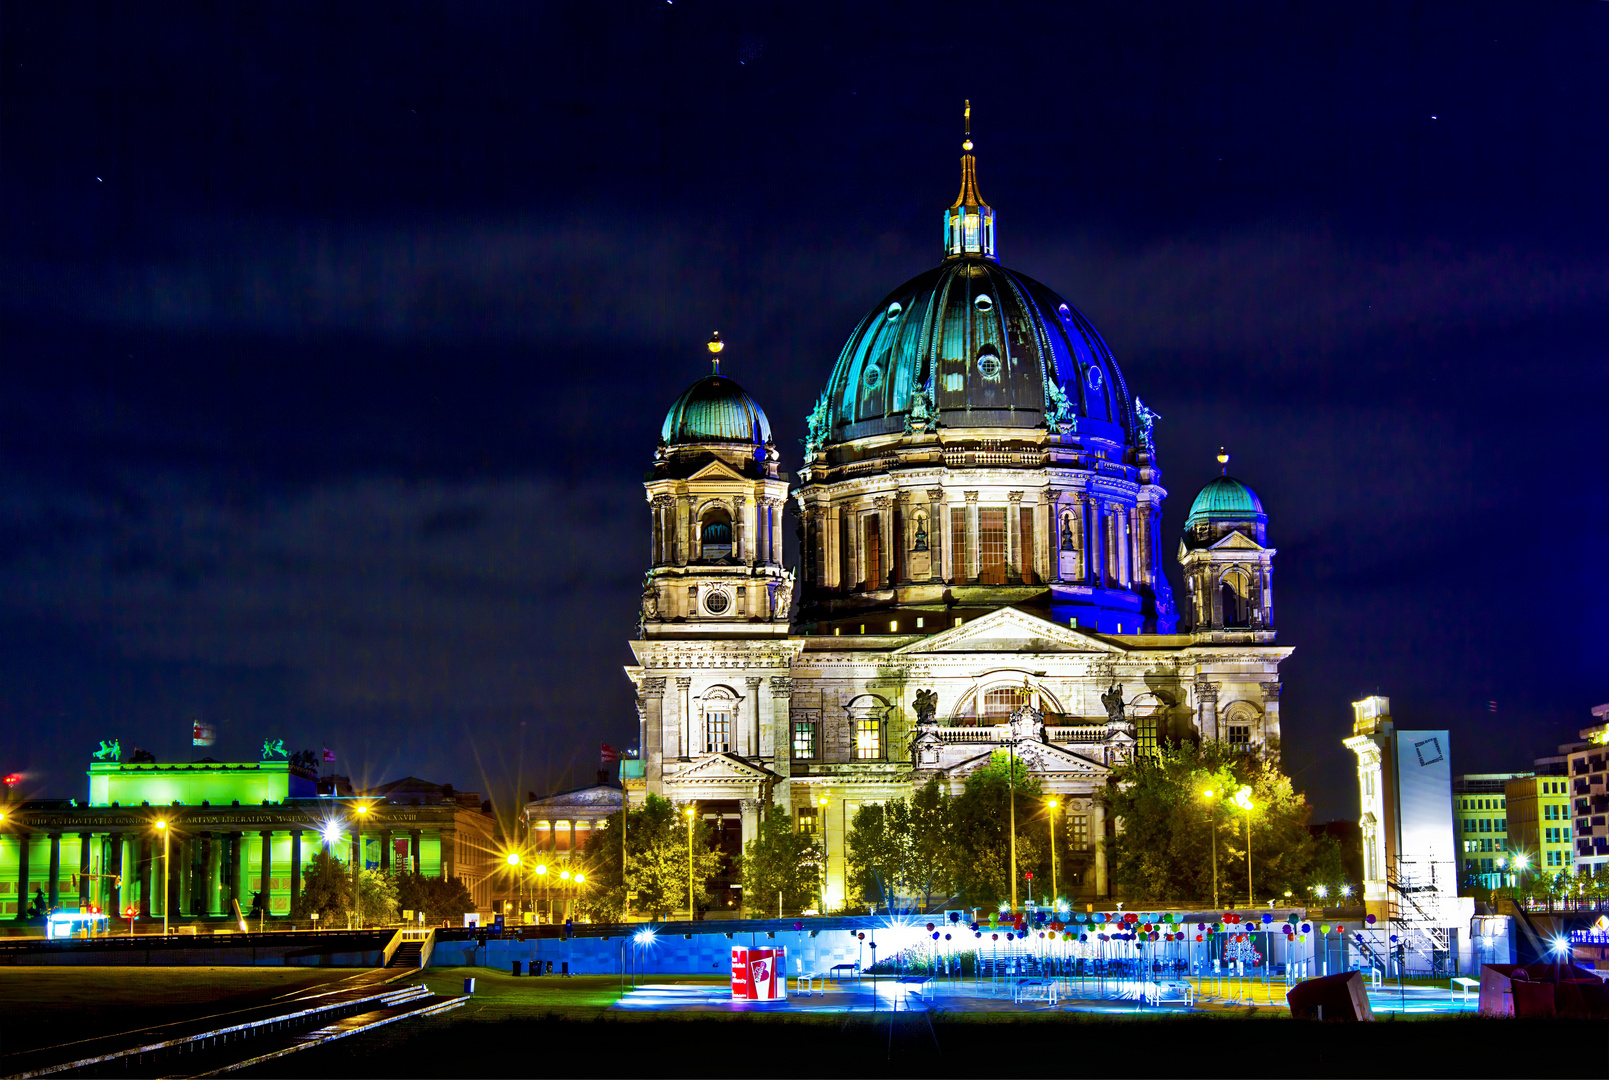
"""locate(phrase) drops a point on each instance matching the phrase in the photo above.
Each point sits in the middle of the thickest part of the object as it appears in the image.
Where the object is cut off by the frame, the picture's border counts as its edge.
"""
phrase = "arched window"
(999, 704)
(715, 533)
(1236, 593)
(718, 728)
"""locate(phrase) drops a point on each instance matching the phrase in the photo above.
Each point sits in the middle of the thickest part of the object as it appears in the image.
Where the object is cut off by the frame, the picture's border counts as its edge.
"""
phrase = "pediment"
(1042, 759)
(1010, 630)
(722, 768)
(1236, 541)
(717, 470)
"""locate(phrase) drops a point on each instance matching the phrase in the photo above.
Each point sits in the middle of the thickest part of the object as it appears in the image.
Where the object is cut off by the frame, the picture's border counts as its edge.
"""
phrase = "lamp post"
(1242, 799)
(162, 827)
(513, 861)
(821, 801)
(692, 913)
(564, 877)
(542, 872)
(1212, 821)
(1051, 817)
(357, 861)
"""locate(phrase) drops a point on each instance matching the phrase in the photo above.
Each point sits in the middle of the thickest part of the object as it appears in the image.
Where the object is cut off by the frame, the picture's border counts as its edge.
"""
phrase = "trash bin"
(550, 967)
(469, 986)
(516, 966)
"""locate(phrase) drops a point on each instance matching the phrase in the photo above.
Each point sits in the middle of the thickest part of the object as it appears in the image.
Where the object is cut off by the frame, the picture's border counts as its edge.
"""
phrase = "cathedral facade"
(981, 568)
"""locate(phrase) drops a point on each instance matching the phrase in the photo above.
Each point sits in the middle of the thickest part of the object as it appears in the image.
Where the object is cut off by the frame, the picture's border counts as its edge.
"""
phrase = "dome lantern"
(969, 222)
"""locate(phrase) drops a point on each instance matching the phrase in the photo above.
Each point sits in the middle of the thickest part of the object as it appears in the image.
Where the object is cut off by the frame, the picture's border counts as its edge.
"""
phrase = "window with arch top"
(715, 534)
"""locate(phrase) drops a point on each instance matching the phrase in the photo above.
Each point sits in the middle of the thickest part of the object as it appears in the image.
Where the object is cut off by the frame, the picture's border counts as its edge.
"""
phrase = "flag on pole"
(610, 754)
(329, 755)
(202, 734)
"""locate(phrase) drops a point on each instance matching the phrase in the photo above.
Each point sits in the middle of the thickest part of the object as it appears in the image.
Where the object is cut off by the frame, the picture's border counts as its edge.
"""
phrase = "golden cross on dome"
(715, 346)
(966, 117)
(1223, 460)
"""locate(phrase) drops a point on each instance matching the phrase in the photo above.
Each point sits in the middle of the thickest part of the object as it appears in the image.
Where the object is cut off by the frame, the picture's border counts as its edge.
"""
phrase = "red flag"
(329, 755)
(610, 754)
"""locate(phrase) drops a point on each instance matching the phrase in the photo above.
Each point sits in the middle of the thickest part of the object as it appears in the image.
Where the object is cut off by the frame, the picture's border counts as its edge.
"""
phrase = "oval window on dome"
(894, 311)
(1065, 312)
(989, 364)
(872, 378)
(1095, 378)
(984, 302)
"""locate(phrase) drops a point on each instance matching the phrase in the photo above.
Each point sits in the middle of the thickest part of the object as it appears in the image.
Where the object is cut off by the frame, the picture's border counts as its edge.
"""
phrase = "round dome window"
(1095, 378)
(989, 365)
(872, 378)
(894, 310)
(716, 602)
(984, 302)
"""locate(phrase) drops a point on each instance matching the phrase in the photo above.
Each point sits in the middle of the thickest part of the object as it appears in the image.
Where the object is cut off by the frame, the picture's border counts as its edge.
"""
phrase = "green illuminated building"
(235, 832)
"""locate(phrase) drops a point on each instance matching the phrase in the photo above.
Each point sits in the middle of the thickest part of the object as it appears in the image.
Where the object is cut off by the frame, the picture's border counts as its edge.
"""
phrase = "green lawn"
(45, 1006)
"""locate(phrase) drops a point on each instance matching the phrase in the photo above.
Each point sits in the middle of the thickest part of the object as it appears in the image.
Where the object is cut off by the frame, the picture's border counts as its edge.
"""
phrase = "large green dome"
(716, 409)
(1225, 499)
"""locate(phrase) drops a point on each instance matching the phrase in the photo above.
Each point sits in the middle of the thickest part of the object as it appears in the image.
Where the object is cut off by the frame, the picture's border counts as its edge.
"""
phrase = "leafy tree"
(933, 841)
(656, 858)
(1163, 847)
(377, 897)
(781, 859)
(881, 853)
(981, 817)
(442, 900)
(326, 890)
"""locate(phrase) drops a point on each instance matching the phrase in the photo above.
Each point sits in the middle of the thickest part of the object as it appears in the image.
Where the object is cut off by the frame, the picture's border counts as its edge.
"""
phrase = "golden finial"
(966, 116)
(1223, 460)
(715, 346)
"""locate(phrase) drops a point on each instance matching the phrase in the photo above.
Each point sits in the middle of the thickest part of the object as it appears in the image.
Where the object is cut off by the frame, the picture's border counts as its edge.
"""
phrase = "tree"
(982, 843)
(326, 890)
(377, 897)
(1163, 848)
(781, 859)
(442, 900)
(880, 853)
(933, 841)
(656, 856)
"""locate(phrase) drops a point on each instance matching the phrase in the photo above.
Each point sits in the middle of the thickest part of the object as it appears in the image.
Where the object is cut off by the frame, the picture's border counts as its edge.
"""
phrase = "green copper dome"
(1225, 499)
(716, 409)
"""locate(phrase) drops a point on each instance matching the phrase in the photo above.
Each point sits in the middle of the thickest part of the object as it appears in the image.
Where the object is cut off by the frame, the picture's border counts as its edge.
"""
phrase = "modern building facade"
(1589, 795)
(234, 832)
(1480, 822)
(1540, 825)
(981, 569)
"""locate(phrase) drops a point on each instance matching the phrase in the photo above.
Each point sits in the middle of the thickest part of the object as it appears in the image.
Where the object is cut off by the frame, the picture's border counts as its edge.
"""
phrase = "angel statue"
(927, 703)
(274, 750)
(921, 409)
(816, 428)
(110, 751)
(1113, 700)
(1148, 421)
(1058, 397)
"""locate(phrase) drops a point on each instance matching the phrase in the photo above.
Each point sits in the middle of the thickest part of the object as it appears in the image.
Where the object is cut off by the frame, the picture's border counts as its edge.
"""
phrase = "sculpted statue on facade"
(926, 705)
(109, 751)
(816, 425)
(1113, 701)
(1148, 421)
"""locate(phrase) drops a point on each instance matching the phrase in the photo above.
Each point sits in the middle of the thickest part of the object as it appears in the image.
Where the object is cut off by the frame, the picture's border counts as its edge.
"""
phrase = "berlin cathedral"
(979, 510)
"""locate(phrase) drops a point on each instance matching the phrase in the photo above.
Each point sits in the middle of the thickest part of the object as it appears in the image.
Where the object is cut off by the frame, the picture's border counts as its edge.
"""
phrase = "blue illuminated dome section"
(990, 347)
(715, 409)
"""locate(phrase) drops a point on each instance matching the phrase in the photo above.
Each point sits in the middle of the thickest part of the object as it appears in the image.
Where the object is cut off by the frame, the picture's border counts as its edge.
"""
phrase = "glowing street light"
(162, 827)
(692, 913)
(541, 871)
(1242, 799)
(822, 801)
(1052, 804)
(1212, 818)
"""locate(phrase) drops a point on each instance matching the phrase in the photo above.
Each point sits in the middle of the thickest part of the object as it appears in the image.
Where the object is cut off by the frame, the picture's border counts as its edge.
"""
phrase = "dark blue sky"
(336, 337)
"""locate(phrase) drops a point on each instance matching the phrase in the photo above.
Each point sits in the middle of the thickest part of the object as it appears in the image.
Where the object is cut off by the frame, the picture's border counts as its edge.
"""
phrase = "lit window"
(807, 820)
(804, 740)
(998, 705)
(868, 740)
(1240, 735)
(1079, 823)
(992, 547)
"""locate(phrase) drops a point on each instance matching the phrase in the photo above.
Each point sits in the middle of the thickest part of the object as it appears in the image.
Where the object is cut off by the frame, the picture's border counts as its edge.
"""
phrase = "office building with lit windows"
(1588, 768)
(1480, 825)
(1540, 825)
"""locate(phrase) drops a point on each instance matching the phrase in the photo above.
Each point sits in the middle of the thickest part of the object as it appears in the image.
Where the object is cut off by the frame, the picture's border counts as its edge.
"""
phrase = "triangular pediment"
(1236, 541)
(717, 470)
(728, 768)
(1010, 630)
(1042, 759)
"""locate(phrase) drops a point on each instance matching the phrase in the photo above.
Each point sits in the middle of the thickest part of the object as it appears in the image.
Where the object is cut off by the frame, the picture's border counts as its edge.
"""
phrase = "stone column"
(1207, 708)
(214, 857)
(237, 869)
(741, 545)
(55, 870)
(1120, 531)
(688, 528)
(937, 541)
(1016, 562)
(684, 707)
(750, 812)
(972, 535)
(416, 840)
(653, 700)
(143, 862)
(85, 868)
(385, 850)
(893, 546)
(752, 735)
(1097, 833)
(449, 852)
(184, 886)
(112, 864)
(267, 870)
(781, 726)
(776, 532)
(296, 866)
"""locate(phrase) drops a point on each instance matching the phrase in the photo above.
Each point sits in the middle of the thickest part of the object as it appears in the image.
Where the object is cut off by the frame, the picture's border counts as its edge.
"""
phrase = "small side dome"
(716, 409)
(1225, 499)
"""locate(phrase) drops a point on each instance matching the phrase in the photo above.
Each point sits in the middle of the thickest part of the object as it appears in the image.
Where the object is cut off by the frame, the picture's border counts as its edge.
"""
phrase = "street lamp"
(1242, 799)
(162, 827)
(513, 860)
(1212, 818)
(357, 861)
(692, 914)
(542, 872)
(1051, 817)
(821, 801)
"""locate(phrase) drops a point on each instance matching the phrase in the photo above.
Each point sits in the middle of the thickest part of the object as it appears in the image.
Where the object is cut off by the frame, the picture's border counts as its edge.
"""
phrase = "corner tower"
(1228, 565)
(716, 499)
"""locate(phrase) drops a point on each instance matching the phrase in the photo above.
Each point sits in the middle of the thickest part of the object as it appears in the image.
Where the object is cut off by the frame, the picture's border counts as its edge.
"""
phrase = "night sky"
(336, 338)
